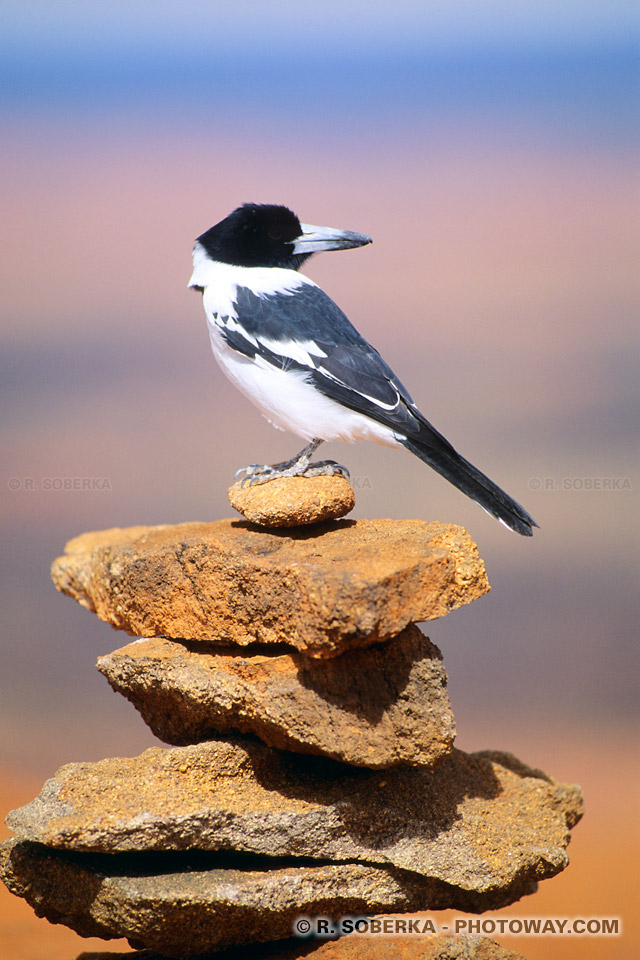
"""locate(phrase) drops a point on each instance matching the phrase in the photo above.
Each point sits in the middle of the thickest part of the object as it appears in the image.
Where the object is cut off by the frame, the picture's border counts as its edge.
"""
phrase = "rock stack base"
(312, 768)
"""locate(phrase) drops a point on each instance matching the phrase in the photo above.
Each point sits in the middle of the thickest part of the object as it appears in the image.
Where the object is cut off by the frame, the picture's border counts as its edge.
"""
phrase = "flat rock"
(385, 705)
(184, 906)
(479, 822)
(181, 905)
(293, 501)
(321, 589)
(354, 947)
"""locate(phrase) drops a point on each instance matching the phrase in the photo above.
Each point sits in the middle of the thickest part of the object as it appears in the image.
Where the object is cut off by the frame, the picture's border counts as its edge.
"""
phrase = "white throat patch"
(220, 281)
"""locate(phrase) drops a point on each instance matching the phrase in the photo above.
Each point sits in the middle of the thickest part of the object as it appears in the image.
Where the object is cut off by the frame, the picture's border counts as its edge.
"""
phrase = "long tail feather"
(467, 478)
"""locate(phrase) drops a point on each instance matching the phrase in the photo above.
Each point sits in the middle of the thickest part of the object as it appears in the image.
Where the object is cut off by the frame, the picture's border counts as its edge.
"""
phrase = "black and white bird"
(291, 350)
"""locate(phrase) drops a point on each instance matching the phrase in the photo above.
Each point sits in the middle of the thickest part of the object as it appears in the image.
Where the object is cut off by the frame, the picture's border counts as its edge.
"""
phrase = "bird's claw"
(259, 476)
(251, 470)
(255, 473)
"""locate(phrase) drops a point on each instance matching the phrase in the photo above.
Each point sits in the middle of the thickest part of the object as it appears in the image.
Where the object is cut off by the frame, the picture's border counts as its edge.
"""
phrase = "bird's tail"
(431, 447)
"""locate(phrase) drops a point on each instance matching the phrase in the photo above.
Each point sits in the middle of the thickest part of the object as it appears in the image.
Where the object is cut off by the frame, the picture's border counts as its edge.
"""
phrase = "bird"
(294, 354)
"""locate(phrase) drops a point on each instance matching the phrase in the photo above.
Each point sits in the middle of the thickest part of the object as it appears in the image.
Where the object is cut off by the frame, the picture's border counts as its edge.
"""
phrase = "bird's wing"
(305, 330)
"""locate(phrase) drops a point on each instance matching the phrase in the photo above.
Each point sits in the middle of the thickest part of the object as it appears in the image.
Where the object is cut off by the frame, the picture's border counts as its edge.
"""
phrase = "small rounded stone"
(293, 501)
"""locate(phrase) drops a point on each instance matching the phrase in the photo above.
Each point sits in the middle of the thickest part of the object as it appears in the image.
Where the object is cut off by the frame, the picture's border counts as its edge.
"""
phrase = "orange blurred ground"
(601, 881)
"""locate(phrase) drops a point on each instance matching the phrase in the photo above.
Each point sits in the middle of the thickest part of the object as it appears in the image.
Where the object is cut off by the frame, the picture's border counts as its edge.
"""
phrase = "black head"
(269, 235)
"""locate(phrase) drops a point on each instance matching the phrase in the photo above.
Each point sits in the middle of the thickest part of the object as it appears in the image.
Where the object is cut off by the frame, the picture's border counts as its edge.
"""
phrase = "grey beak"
(315, 239)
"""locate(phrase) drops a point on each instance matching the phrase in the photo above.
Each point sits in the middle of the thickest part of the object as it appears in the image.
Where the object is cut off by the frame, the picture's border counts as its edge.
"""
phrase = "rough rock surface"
(385, 705)
(322, 589)
(181, 905)
(293, 501)
(481, 822)
(354, 947)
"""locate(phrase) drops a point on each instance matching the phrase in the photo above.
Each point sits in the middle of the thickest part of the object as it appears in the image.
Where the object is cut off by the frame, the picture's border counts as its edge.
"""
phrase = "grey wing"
(308, 331)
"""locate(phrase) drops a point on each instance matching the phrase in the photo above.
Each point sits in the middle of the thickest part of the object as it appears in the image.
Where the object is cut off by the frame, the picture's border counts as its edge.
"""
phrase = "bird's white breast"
(290, 403)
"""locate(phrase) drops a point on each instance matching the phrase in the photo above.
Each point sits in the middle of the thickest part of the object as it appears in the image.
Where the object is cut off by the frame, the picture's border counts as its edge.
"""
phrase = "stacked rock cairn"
(312, 771)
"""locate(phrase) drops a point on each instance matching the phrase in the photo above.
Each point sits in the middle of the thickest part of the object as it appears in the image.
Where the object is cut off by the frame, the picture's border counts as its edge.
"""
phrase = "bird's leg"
(298, 466)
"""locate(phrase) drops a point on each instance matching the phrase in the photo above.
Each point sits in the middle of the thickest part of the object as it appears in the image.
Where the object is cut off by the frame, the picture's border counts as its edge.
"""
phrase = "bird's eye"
(274, 235)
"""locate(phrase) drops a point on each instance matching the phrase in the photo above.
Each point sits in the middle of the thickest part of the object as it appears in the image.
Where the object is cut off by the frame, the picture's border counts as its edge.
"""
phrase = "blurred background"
(491, 150)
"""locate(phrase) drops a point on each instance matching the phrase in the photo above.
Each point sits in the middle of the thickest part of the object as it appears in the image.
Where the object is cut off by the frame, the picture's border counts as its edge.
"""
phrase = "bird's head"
(268, 235)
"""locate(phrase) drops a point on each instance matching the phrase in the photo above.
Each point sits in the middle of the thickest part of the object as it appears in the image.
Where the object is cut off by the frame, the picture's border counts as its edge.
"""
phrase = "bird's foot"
(256, 473)
(260, 473)
(326, 468)
(298, 466)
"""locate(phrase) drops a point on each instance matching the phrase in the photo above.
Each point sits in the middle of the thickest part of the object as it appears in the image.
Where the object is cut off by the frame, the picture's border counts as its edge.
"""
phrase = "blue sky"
(568, 67)
(240, 23)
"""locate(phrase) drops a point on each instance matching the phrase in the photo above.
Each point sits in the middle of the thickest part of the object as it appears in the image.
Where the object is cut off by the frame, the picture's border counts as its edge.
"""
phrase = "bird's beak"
(315, 239)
